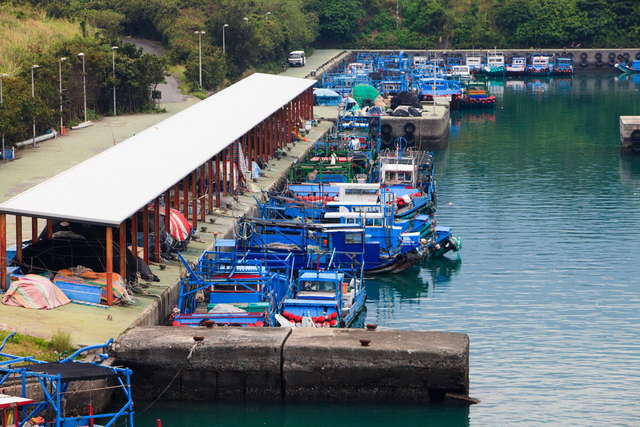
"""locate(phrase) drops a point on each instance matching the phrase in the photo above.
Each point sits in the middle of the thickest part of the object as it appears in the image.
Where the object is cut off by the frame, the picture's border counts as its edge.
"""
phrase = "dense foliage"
(477, 23)
(136, 75)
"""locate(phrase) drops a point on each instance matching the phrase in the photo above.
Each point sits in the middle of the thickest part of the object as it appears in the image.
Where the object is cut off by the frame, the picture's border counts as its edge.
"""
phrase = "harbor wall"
(583, 59)
(295, 364)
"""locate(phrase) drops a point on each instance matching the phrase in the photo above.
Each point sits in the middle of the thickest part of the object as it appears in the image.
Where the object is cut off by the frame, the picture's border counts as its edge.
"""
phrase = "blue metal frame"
(53, 388)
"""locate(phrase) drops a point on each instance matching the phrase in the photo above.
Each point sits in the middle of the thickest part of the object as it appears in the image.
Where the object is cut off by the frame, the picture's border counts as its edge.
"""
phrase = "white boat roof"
(113, 185)
(364, 186)
(397, 167)
(10, 401)
(353, 215)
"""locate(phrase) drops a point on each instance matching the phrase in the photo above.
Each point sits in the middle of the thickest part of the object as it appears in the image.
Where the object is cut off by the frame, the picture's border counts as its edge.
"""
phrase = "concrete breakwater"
(298, 364)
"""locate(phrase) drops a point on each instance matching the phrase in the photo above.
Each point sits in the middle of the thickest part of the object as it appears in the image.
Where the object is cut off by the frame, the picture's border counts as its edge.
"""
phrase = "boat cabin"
(495, 59)
(474, 62)
(540, 61)
(461, 72)
(398, 171)
(10, 410)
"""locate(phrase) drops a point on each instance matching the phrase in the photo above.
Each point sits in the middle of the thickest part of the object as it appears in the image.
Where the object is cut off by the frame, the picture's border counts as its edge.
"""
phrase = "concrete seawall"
(296, 364)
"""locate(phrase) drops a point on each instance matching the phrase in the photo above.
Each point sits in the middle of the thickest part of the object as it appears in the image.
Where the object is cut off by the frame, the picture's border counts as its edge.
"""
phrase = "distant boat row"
(537, 64)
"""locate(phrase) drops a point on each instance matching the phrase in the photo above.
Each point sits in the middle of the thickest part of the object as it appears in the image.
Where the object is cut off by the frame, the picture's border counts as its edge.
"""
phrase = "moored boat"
(495, 64)
(518, 66)
(563, 66)
(630, 68)
(540, 65)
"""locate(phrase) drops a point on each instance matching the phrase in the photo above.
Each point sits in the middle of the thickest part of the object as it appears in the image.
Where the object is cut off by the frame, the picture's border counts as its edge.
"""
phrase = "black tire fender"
(409, 128)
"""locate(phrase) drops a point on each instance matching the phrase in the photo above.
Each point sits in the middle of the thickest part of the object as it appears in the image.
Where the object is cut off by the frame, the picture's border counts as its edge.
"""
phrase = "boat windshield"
(317, 286)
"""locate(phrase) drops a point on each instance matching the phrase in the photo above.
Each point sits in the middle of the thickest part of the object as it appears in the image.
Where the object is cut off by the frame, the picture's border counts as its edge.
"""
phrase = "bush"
(61, 342)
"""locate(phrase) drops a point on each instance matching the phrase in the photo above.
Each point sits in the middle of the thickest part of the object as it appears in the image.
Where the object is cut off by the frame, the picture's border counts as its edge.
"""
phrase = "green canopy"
(362, 92)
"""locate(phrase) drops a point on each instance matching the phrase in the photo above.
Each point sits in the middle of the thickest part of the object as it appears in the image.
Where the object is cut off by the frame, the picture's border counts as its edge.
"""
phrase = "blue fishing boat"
(333, 297)
(630, 68)
(227, 287)
(563, 66)
(434, 88)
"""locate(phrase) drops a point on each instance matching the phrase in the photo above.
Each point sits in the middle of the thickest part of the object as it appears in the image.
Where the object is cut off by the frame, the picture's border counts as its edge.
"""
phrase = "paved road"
(319, 57)
(171, 88)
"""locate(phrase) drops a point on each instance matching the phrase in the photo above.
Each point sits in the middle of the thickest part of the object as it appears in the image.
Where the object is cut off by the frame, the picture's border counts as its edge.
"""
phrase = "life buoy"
(409, 128)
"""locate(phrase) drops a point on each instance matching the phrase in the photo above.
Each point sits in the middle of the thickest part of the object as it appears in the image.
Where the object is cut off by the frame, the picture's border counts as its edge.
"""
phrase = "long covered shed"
(187, 162)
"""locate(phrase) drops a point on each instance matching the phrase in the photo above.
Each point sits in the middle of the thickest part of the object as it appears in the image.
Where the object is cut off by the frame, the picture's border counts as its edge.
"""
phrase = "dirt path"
(171, 88)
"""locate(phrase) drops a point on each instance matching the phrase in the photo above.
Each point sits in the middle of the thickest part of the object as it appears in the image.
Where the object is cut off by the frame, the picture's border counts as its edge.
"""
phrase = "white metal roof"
(111, 186)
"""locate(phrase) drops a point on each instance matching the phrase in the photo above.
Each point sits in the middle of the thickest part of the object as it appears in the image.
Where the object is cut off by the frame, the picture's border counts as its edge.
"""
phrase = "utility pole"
(84, 85)
(2, 76)
(113, 58)
(224, 46)
(60, 61)
(33, 96)
(200, 33)
(397, 13)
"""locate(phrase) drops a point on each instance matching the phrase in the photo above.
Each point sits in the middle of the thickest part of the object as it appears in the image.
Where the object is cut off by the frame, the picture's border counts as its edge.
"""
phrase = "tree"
(338, 19)
(213, 68)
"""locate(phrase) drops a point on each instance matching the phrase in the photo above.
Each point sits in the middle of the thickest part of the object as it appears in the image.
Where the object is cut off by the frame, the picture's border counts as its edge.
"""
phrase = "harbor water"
(546, 284)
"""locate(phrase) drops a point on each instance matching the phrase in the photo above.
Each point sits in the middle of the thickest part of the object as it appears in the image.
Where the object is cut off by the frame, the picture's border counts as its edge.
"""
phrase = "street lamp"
(224, 47)
(2, 76)
(33, 96)
(245, 19)
(60, 61)
(113, 59)
(200, 33)
(84, 85)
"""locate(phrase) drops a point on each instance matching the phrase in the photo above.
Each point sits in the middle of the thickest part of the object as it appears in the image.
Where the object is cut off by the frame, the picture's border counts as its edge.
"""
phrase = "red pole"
(122, 235)
(34, 230)
(145, 234)
(225, 175)
(49, 228)
(156, 229)
(176, 197)
(218, 180)
(158, 423)
(134, 233)
(210, 185)
(185, 197)
(194, 202)
(167, 211)
(3, 251)
(232, 167)
(109, 238)
(18, 237)
(90, 414)
(201, 193)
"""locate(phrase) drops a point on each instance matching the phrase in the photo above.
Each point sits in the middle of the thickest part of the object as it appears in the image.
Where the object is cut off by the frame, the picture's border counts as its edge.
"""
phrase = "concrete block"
(407, 366)
(229, 363)
(630, 132)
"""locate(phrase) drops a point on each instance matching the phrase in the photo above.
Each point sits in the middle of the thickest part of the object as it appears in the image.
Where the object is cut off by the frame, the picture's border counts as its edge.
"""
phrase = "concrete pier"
(298, 364)
(433, 126)
(630, 133)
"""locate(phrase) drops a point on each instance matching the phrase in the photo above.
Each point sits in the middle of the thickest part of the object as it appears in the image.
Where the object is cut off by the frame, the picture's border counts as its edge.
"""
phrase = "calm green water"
(547, 285)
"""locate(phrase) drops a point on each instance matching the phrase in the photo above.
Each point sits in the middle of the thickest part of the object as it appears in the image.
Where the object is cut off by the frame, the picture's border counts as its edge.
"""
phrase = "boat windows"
(353, 238)
(318, 286)
(374, 222)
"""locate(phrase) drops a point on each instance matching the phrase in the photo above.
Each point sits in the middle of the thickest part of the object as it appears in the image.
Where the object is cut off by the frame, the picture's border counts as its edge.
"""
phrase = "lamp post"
(2, 76)
(84, 85)
(113, 61)
(200, 33)
(60, 61)
(33, 96)
(224, 46)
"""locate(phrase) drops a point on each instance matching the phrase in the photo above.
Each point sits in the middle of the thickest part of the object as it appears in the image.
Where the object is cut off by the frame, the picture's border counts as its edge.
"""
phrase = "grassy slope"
(23, 29)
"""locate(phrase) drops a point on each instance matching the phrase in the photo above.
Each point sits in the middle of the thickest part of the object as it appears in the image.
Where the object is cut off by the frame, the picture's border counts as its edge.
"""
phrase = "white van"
(297, 58)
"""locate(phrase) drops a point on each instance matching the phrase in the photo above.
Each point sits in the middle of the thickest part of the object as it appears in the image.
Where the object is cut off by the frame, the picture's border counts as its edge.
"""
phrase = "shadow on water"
(179, 414)
(415, 282)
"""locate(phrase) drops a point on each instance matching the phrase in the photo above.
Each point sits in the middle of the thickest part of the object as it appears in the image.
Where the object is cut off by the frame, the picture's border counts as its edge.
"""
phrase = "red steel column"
(134, 233)
(49, 229)
(210, 185)
(109, 266)
(201, 192)
(232, 167)
(225, 176)
(18, 237)
(167, 212)
(156, 229)
(145, 234)
(34, 230)
(194, 201)
(218, 180)
(122, 234)
(3, 250)
(176, 196)
(185, 197)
